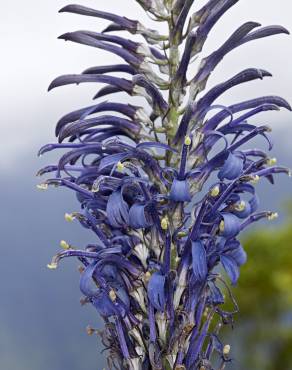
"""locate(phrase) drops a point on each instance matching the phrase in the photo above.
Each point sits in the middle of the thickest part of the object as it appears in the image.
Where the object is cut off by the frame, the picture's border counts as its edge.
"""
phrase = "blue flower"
(144, 180)
(156, 291)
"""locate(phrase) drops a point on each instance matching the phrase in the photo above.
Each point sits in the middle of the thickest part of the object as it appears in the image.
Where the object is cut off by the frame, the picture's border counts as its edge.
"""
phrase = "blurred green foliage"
(263, 329)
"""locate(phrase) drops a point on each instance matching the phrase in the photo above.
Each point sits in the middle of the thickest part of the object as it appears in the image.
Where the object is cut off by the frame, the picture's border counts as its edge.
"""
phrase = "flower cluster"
(165, 205)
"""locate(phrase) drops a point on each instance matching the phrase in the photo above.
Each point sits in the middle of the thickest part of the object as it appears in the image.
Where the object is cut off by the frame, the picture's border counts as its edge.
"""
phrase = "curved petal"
(232, 168)
(230, 225)
(137, 217)
(231, 268)
(199, 261)
(180, 191)
(156, 291)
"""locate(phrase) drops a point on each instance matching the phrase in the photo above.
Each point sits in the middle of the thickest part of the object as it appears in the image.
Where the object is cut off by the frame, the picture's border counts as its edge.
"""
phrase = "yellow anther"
(240, 206)
(147, 276)
(180, 367)
(222, 226)
(255, 179)
(215, 191)
(120, 166)
(181, 234)
(43, 186)
(290, 173)
(226, 349)
(64, 245)
(164, 223)
(69, 217)
(273, 216)
(112, 295)
(271, 161)
(52, 266)
(188, 141)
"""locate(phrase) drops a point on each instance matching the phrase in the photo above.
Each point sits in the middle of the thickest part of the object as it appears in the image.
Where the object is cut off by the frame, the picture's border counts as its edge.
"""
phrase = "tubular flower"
(140, 173)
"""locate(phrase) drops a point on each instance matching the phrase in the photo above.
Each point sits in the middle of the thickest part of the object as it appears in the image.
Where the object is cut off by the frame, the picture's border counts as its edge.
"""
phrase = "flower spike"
(165, 207)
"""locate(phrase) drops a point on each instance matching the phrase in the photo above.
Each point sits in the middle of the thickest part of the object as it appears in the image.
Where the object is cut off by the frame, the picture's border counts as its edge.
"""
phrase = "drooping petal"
(117, 210)
(137, 217)
(156, 292)
(199, 261)
(241, 209)
(232, 168)
(180, 191)
(231, 268)
(238, 254)
(229, 226)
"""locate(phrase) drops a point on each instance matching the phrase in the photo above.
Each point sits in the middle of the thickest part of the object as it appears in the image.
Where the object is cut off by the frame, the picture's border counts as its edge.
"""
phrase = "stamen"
(52, 266)
(255, 179)
(120, 166)
(272, 216)
(215, 191)
(226, 350)
(42, 186)
(240, 206)
(112, 295)
(147, 276)
(188, 141)
(64, 245)
(69, 217)
(164, 223)
(271, 161)
(221, 226)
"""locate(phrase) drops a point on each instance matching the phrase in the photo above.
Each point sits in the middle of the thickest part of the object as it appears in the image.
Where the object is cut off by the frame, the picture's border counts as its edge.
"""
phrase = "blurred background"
(42, 323)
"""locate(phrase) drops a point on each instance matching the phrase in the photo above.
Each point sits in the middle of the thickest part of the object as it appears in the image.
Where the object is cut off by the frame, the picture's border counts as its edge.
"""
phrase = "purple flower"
(165, 206)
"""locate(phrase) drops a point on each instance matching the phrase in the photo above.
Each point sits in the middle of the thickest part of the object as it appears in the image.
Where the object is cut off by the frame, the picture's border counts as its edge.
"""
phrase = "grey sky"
(42, 325)
(32, 57)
